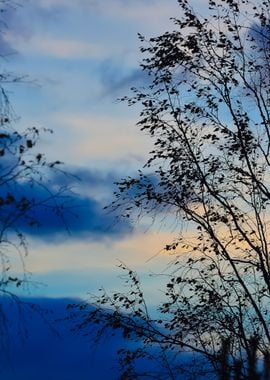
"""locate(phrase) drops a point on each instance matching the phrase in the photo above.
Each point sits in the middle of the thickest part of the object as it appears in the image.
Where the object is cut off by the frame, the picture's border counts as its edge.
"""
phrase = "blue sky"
(78, 58)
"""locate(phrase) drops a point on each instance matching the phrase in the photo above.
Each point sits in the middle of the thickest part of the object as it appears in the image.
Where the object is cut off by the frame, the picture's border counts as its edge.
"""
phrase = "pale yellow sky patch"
(103, 137)
(138, 250)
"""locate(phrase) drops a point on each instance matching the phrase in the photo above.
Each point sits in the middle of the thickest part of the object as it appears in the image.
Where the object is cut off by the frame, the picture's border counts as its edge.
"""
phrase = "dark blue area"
(51, 351)
(57, 211)
(117, 80)
(81, 217)
(37, 343)
(260, 35)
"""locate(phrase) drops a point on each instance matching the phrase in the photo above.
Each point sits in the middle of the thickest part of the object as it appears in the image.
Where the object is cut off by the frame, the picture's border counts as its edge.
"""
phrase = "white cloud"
(101, 137)
(47, 4)
(55, 47)
(153, 15)
(150, 16)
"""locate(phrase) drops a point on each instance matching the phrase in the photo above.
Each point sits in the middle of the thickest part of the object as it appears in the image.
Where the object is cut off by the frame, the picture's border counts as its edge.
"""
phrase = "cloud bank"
(57, 212)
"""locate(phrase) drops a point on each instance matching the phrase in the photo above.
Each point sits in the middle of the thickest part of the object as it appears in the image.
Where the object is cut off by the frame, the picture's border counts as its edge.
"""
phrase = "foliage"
(207, 110)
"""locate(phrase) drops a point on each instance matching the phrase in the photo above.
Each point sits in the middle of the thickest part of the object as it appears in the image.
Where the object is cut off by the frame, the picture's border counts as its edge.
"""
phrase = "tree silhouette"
(207, 110)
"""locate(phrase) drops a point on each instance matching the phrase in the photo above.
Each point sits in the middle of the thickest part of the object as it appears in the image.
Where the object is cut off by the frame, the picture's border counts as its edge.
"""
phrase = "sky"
(76, 58)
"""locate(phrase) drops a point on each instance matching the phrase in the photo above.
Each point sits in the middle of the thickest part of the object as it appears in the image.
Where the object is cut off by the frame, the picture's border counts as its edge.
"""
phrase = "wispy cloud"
(54, 47)
(117, 78)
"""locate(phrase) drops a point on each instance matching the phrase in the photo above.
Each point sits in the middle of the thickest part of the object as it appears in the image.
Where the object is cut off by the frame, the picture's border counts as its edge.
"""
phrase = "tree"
(207, 110)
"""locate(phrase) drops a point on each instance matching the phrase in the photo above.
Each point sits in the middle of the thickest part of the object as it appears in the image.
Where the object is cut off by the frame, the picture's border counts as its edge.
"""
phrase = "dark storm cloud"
(69, 213)
(83, 217)
(77, 176)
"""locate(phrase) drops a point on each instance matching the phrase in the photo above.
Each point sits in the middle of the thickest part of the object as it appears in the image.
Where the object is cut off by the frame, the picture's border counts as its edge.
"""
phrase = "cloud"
(6, 49)
(107, 138)
(83, 218)
(52, 4)
(8, 22)
(56, 210)
(117, 78)
(142, 12)
(55, 47)
(20, 35)
(47, 15)
(74, 17)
